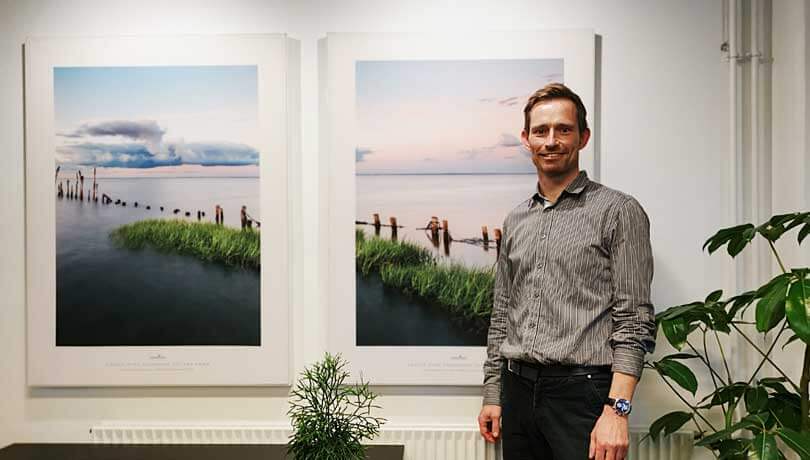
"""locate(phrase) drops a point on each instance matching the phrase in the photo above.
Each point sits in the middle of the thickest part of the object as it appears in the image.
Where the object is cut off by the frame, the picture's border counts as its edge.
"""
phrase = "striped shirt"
(573, 284)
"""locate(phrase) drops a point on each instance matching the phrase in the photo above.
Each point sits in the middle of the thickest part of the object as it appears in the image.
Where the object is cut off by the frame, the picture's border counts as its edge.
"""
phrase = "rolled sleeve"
(632, 270)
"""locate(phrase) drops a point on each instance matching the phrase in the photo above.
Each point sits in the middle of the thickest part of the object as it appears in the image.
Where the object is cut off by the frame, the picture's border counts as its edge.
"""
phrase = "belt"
(533, 372)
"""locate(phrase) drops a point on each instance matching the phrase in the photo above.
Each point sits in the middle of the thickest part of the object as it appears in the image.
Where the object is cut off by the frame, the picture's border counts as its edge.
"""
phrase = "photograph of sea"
(157, 206)
(438, 166)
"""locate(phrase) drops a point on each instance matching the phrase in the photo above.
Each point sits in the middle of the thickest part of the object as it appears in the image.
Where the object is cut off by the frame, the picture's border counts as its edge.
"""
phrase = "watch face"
(623, 406)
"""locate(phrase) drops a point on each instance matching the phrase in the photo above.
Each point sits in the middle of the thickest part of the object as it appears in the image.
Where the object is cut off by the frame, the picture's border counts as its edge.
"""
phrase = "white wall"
(664, 133)
(791, 139)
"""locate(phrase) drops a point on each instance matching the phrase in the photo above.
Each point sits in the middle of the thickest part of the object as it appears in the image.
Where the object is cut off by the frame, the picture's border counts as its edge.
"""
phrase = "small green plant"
(205, 241)
(330, 418)
(760, 409)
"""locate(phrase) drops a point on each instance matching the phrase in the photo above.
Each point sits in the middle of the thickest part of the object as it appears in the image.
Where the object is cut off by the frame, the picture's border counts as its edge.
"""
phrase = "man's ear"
(584, 138)
(524, 139)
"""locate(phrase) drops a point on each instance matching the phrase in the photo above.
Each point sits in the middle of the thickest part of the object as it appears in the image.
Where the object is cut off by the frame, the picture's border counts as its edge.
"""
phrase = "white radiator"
(444, 442)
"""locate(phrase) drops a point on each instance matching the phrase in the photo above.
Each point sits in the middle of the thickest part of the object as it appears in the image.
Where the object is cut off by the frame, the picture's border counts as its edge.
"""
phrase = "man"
(572, 317)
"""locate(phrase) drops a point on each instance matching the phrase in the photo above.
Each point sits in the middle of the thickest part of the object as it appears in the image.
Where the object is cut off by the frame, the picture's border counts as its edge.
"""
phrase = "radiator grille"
(445, 442)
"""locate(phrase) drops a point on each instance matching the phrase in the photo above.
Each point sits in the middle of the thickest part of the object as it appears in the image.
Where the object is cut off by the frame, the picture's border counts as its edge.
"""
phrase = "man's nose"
(551, 139)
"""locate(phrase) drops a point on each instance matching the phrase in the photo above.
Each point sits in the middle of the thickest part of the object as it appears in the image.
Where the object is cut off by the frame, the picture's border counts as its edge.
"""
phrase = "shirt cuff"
(628, 360)
(492, 394)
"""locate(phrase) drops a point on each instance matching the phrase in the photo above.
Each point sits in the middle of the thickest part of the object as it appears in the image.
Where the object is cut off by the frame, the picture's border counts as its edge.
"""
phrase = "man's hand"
(609, 438)
(490, 414)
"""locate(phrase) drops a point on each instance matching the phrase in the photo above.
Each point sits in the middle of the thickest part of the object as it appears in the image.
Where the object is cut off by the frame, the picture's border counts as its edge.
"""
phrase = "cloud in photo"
(147, 131)
(506, 141)
(509, 140)
(138, 155)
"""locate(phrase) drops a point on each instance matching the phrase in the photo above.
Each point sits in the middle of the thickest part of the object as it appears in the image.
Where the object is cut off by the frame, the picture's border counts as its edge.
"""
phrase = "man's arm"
(491, 411)
(633, 324)
(632, 265)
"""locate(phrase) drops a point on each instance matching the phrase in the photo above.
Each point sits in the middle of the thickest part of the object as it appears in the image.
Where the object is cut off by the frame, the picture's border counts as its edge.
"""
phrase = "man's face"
(553, 138)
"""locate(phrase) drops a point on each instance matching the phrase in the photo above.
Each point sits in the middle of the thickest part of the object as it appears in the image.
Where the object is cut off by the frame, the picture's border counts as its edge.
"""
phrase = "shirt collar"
(574, 188)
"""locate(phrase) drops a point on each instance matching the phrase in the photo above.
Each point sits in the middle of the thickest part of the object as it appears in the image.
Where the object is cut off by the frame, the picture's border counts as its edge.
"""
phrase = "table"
(168, 452)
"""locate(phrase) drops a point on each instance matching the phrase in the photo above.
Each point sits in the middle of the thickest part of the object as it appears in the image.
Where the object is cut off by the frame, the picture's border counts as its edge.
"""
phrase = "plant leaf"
(804, 231)
(726, 394)
(740, 301)
(797, 309)
(799, 442)
(792, 339)
(763, 447)
(681, 356)
(714, 296)
(733, 449)
(676, 311)
(670, 423)
(676, 331)
(756, 399)
(786, 410)
(726, 235)
(679, 373)
(771, 307)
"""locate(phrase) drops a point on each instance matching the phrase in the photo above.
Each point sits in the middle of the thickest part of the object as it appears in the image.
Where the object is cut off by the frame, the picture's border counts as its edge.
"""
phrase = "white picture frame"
(276, 59)
(339, 53)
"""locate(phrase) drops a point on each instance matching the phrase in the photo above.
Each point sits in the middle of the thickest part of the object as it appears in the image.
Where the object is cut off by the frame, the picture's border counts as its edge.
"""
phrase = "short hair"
(555, 91)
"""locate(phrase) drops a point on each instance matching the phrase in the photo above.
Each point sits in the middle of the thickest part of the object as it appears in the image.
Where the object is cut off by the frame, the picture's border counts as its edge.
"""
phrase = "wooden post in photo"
(446, 234)
(95, 186)
(243, 217)
(377, 224)
(81, 187)
(434, 230)
(216, 214)
(498, 241)
(199, 215)
(393, 221)
(68, 189)
(485, 235)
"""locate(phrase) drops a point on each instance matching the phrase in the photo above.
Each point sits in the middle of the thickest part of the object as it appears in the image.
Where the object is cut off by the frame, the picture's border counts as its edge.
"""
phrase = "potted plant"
(330, 418)
(761, 409)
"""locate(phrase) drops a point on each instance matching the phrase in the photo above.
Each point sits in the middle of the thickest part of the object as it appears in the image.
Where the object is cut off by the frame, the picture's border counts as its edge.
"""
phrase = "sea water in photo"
(108, 295)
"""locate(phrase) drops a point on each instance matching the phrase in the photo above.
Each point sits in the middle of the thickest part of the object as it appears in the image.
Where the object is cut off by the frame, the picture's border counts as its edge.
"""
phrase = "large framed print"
(157, 178)
(421, 162)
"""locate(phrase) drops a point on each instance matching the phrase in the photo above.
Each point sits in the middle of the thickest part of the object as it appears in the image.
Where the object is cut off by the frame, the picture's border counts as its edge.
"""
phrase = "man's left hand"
(610, 437)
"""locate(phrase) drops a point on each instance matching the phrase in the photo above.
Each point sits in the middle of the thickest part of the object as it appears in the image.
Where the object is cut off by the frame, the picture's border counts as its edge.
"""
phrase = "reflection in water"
(387, 317)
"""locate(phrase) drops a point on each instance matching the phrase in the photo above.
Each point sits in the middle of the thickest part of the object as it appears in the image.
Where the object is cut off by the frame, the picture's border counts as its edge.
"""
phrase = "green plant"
(767, 408)
(331, 419)
(205, 241)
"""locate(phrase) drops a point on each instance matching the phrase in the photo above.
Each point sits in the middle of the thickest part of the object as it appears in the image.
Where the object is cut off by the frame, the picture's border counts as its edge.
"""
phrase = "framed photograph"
(422, 161)
(157, 178)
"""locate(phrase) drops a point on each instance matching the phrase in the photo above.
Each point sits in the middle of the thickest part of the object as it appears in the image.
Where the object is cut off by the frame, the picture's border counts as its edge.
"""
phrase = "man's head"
(555, 130)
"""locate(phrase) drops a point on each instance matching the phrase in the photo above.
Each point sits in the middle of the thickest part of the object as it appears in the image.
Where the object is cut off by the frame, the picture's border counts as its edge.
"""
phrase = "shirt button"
(543, 236)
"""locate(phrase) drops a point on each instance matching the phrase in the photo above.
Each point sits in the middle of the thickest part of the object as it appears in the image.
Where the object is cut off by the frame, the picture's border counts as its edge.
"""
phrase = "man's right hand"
(489, 422)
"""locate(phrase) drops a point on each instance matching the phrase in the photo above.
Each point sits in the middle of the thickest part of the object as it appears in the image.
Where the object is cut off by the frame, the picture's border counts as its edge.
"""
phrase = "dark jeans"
(551, 418)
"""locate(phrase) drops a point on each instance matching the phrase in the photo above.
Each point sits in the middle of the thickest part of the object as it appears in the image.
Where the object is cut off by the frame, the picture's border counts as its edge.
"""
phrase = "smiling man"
(572, 318)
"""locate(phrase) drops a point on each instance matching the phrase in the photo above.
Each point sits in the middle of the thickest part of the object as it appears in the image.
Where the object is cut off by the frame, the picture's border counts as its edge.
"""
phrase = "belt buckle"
(511, 365)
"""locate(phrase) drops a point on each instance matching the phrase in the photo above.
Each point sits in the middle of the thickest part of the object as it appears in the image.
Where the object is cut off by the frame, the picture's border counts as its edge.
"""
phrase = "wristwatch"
(621, 406)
